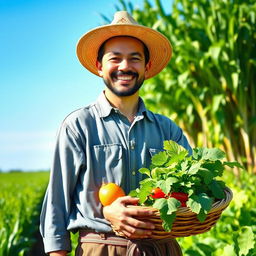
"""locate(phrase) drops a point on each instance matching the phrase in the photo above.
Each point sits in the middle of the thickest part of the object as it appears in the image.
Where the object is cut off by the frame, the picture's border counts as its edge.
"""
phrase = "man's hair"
(102, 49)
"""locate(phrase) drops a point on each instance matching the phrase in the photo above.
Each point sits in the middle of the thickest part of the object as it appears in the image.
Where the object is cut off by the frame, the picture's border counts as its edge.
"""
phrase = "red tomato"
(181, 196)
(183, 204)
(157, 193)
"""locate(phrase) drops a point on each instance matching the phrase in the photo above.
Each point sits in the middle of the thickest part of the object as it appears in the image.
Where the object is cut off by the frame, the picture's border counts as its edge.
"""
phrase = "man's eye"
(114, 59)
(135, 59)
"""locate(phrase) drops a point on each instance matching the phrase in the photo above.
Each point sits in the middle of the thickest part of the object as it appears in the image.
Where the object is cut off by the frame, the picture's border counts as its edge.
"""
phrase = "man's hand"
(123, 219)
(58, 253)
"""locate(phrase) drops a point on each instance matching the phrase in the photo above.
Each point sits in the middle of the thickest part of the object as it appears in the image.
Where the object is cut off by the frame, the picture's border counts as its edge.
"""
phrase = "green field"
(22, 193)
(21, 196)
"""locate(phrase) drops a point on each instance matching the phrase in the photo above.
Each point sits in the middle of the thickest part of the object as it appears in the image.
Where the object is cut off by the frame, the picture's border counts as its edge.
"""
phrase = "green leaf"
(173, 205)
(177, 158)
(163, 207)
(146, 180)
(193, 204)
(217, 189)
(193, 252)
(194, 168)
(173, 148)
(188, 184)
(197, 153)
(206, 175)
(211, 154)
(156, 172)
(205, 201)
(160, 203)
(246, 240)
(179, 174)
(166, 185)
(217, 99)
(145, 190)
(145, 171)
(214, 154)
(159, 159)
(163, 185)
(215, 167)
(184, 165)
(200, 204)
(229, 250)
(206, 248)
(201, 216)
(233, 164)
(171, 180)
(133, 193)
(214, 51)
(168, 220)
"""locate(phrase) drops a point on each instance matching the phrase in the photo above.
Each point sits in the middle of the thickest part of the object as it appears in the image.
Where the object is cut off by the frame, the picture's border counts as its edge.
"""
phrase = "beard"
(130, 91)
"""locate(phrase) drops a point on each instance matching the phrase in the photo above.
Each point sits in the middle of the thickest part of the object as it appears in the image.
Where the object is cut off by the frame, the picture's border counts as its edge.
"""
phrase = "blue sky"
(41, 79)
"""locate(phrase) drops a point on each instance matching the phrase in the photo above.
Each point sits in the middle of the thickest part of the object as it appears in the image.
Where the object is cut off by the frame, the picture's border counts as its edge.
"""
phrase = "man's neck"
(127, 105)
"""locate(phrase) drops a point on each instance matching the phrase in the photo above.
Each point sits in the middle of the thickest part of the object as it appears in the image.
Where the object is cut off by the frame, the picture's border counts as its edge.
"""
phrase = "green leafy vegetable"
(174, 170)
(159, 159)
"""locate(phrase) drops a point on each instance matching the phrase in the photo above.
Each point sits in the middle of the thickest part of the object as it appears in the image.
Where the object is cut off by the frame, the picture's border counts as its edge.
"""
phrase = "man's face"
(123, 66)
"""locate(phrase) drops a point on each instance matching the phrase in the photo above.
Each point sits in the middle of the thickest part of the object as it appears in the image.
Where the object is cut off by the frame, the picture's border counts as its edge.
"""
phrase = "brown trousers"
(101, 249)
(90, 249)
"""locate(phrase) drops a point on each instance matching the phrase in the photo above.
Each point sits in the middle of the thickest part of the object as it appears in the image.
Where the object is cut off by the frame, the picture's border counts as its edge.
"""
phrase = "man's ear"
(147, 68)
(99, 67)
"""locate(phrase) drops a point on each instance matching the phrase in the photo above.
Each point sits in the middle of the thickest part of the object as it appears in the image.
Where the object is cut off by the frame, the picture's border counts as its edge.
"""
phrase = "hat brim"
(159, 46)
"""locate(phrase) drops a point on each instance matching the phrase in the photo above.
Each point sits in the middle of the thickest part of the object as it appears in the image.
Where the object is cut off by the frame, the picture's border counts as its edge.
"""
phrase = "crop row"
(20, 202)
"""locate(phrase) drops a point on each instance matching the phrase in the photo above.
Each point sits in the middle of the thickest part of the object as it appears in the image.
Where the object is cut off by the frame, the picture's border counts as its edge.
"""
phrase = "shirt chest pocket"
(108, 163)
(148, 156)
(153, 151)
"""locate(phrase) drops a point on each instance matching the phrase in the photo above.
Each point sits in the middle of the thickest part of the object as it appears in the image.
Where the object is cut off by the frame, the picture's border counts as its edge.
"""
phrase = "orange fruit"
(109, 192)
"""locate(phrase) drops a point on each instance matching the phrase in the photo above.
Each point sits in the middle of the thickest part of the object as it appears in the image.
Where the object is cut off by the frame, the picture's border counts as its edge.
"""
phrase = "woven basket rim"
(186, 222)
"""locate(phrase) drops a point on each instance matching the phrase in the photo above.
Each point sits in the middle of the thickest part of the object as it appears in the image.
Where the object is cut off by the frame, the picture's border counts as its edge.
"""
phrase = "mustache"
(120, 73)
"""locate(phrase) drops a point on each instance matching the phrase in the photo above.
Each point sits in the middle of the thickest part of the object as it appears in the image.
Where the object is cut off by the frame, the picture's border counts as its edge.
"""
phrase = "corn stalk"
(208, 88)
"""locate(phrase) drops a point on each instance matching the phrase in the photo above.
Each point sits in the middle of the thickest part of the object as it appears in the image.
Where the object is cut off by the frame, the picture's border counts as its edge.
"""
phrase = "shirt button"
(132, 144)
(133, 173)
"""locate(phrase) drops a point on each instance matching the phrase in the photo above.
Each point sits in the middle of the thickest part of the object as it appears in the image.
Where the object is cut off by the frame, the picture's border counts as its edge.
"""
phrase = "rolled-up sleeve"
(68, 159)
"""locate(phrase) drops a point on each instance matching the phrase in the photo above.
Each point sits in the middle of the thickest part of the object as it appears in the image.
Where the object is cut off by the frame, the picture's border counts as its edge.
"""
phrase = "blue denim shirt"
(98, 144)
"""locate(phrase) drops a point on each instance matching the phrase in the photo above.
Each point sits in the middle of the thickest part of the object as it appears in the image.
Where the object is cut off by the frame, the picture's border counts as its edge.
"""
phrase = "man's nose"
(123, 65)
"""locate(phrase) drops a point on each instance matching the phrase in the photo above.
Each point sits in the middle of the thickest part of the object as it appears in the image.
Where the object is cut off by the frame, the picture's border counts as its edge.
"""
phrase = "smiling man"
(124, 63)
(108, 141)
(123, 68)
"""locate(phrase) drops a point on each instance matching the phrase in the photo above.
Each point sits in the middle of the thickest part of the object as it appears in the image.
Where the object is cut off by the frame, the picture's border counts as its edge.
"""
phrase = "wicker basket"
(186, 222)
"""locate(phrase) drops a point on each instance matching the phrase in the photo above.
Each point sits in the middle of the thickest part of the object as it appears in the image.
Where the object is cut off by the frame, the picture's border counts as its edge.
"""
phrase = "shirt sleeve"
(68, 159)
(180, 138)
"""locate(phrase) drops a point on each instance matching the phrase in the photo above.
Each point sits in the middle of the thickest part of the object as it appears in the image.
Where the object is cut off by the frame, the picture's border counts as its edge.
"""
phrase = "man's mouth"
(124, 76)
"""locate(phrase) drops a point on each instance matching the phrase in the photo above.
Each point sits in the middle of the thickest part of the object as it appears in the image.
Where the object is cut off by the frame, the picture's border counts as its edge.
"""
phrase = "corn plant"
(20, 201)
(208, 88)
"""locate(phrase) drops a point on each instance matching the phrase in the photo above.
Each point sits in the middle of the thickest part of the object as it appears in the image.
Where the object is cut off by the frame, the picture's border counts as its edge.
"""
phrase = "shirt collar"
(105, 108)
(103, 105)
(142, 111)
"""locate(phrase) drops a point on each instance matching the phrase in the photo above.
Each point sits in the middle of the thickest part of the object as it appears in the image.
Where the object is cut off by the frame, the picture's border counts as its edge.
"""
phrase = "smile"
(124, 78)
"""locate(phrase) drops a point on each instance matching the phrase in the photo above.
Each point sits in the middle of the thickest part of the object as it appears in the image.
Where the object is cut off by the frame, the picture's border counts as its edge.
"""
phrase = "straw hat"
(159, 47)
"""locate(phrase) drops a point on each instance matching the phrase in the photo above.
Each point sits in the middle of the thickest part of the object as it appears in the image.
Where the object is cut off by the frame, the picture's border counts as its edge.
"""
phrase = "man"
(108, 141)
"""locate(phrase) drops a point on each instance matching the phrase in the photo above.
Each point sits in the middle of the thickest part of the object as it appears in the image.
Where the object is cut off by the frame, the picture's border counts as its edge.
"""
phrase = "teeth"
(127, 78)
